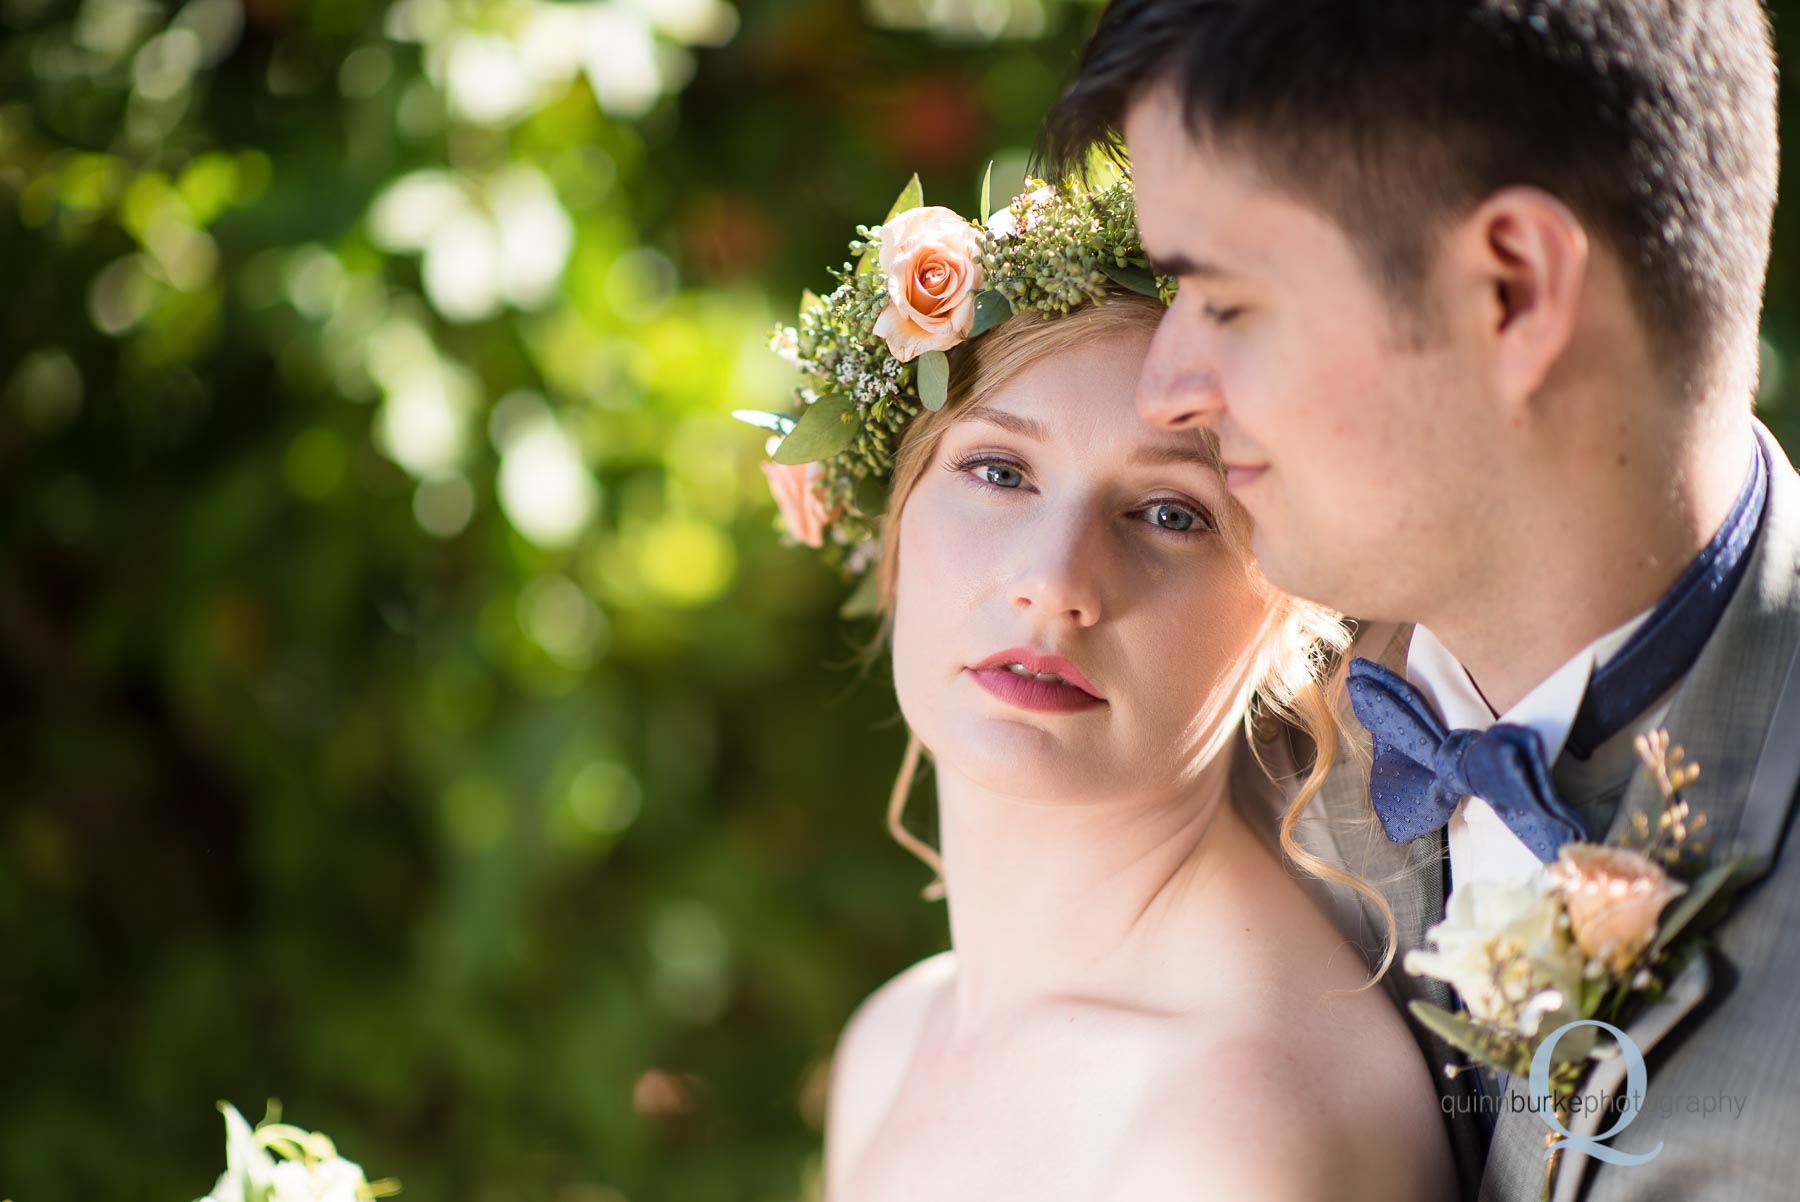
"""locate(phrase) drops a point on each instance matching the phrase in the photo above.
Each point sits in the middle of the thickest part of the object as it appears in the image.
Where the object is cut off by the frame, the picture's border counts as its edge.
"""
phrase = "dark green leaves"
(828, 426)
(870, 497)
(1682, 913)
(1138, 279)
(990, 310)
(1453, 1029)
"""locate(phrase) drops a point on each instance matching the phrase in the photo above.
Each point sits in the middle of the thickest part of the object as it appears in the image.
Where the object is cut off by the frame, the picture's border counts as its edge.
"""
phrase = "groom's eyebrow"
(1165, 454)
(1183, 267)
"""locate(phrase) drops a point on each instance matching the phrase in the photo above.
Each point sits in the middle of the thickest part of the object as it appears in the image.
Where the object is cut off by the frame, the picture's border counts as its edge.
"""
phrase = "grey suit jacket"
(1729, 1027)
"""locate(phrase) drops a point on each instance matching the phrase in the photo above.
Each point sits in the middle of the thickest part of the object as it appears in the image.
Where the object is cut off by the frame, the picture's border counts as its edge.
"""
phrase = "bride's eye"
(1002, 475)
(993, 473)
(1177, 518)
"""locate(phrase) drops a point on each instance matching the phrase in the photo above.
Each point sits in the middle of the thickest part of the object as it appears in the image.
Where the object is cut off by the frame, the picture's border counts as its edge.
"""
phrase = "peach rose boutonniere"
(1593, 936)
(1614, 897)
(931, 258)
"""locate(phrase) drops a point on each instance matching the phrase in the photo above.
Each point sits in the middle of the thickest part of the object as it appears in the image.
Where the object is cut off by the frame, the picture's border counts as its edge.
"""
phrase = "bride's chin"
(1015, 757)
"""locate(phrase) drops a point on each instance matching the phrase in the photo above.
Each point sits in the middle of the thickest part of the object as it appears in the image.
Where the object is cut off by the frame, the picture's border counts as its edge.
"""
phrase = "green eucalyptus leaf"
(990, 310)
(809, 300)
(870, 497)
(1687, 908)
(865, 600)
(987, 178)
(911, 197)
(934, 379)
(828, 426)
(778, 423)
(1455, 1030)
(1138, 279)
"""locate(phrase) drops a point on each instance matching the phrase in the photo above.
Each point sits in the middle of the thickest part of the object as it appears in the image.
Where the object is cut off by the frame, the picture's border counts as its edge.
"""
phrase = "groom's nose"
(1178, 390)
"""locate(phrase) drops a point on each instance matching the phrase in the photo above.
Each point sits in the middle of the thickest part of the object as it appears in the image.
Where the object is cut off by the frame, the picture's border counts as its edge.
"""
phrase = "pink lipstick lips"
(1034, 681)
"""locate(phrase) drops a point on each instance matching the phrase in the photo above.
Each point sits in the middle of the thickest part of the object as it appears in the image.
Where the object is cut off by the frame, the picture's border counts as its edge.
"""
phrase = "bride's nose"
(1059, 572)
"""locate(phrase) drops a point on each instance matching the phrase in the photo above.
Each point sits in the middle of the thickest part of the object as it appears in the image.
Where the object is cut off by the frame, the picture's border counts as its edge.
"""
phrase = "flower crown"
(872, 351)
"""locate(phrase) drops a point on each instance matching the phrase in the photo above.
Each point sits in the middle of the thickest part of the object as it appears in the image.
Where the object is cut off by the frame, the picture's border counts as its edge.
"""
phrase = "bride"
(1140, 1002)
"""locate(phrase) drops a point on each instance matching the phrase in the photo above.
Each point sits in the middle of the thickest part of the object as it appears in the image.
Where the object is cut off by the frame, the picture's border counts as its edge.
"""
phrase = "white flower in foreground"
(1505, 950)
(333, 1179)
(249, 1169)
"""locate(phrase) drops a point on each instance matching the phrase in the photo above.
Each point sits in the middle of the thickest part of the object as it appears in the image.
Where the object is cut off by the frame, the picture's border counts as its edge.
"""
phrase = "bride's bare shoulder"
(872, 1054)
(1275, 1113)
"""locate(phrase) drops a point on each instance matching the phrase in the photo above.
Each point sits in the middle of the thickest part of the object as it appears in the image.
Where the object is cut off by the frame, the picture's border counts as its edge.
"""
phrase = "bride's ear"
(1519, 266)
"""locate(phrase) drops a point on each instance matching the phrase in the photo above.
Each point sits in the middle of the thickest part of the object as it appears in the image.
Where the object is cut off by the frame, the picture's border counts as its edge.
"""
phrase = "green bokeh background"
(407, 709)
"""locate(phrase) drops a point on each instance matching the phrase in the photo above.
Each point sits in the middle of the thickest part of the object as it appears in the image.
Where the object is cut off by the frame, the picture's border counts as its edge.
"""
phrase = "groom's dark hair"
(1653, 120)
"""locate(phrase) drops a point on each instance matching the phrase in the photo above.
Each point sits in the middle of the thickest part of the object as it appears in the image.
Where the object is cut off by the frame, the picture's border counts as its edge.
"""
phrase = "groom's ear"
(1522, 261)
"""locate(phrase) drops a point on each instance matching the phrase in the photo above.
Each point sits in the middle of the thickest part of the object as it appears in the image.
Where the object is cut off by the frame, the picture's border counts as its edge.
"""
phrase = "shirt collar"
(1549, 709)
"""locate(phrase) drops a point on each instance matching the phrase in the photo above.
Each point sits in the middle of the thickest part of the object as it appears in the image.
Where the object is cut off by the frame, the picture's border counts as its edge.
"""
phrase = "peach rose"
(1614, 898)
(801, 499)
(929, 256)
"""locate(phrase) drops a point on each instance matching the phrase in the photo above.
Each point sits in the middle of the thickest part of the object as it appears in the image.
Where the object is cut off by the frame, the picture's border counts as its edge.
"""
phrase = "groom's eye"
(1218, 315)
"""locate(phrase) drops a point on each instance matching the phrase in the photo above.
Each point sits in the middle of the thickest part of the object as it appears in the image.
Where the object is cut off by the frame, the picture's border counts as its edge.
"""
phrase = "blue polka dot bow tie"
(1423, 770)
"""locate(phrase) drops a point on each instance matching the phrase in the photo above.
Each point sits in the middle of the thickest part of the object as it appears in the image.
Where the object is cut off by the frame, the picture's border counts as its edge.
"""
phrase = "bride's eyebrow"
(1013, 423)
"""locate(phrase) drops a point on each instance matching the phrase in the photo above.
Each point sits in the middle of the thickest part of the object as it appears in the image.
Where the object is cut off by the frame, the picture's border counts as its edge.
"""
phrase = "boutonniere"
(279, 1162)
(1596, 935)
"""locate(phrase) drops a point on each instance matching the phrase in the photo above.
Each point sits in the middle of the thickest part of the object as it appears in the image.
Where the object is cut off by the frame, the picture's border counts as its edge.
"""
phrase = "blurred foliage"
(407, 709)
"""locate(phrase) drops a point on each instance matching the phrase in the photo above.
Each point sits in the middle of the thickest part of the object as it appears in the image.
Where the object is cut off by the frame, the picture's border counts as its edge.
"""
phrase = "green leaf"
(1593, 994)
(870, 496)
(779, 423)
(1455, 1030)
(865, 600)
(987, 177)
(934, 379)
(1683, 912)
(1138, 279)
(990, 310)
(911, 197)
(828, 426)
(809, 300)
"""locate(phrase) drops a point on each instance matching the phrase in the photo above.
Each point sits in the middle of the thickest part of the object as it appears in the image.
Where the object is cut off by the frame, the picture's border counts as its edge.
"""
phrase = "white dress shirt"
(1482, 847)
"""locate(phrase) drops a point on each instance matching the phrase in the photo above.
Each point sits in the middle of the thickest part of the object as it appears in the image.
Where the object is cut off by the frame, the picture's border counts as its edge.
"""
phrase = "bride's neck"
(1051, 900)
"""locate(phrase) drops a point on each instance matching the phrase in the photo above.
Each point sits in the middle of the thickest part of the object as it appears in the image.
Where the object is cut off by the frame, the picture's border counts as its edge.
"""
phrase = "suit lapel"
(1686, 991)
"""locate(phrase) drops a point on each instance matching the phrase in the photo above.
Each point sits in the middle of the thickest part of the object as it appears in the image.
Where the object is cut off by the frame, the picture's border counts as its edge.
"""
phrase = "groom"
(1469, 295)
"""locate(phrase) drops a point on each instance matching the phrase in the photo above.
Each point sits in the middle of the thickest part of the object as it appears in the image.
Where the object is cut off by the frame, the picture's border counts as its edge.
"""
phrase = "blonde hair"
(1300, 645)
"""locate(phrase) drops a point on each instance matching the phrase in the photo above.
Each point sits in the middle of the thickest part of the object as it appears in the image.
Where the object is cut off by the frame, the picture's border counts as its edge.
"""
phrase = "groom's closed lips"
(1242, 475)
